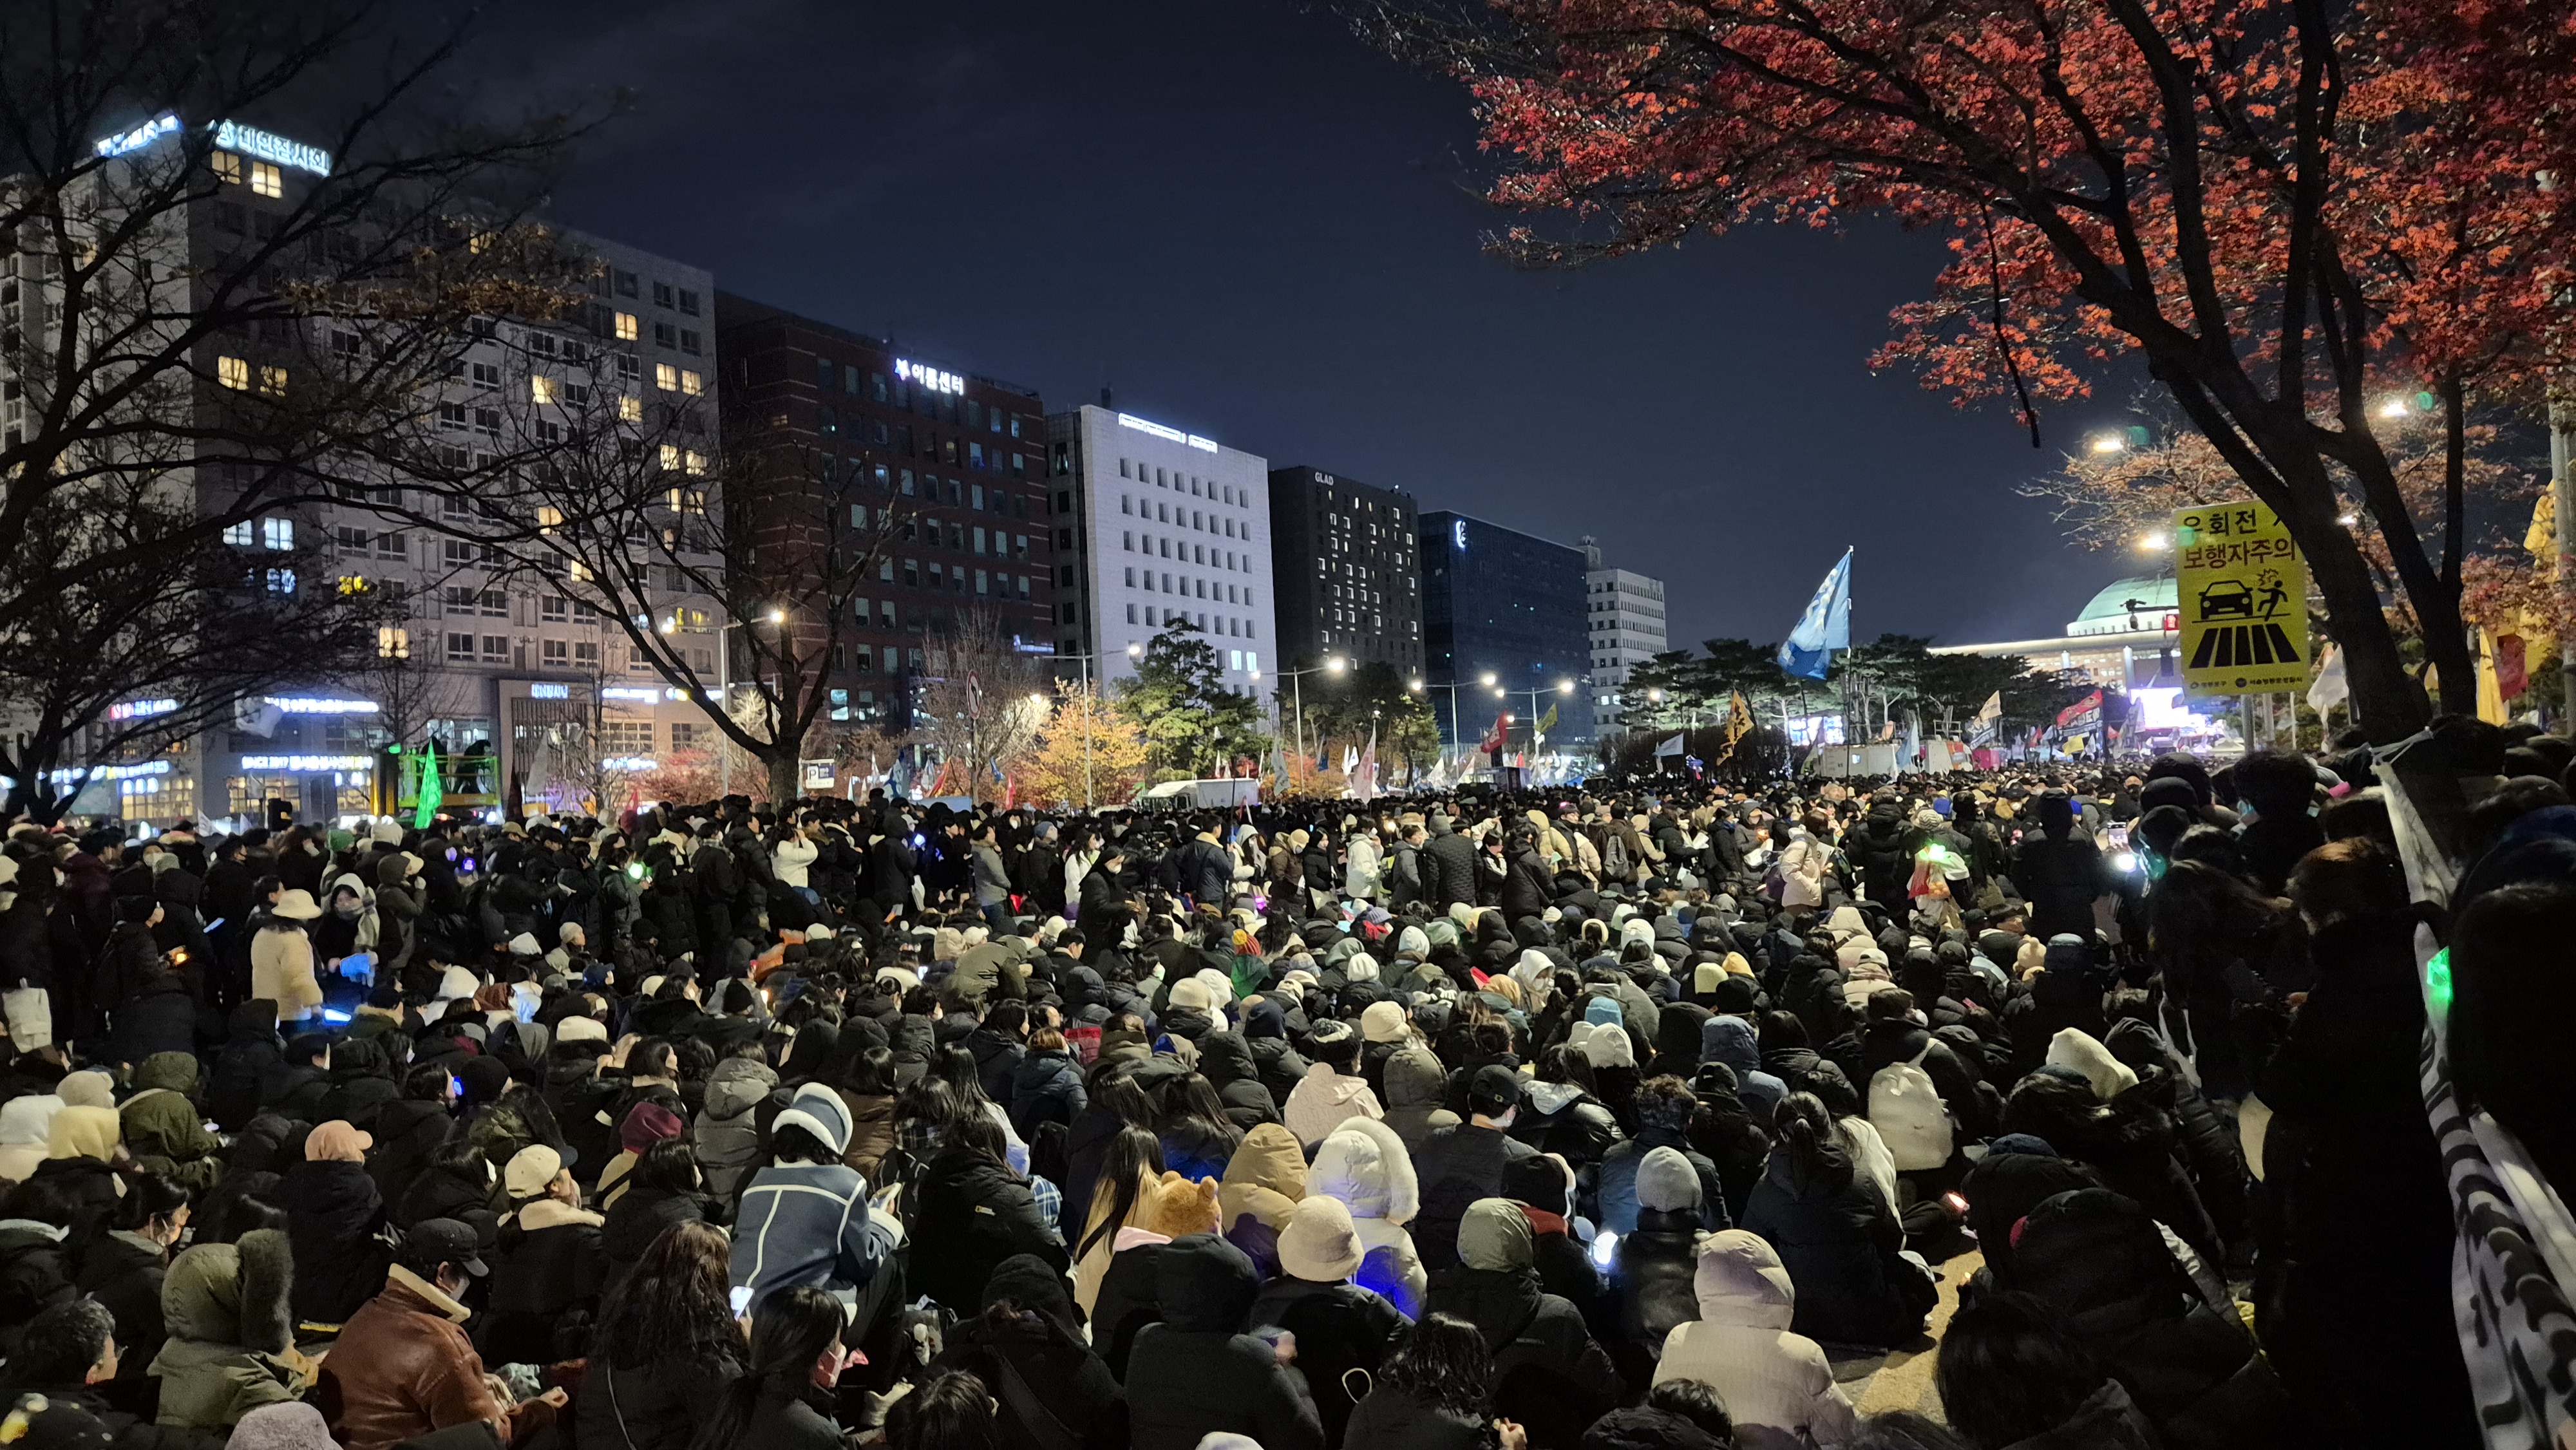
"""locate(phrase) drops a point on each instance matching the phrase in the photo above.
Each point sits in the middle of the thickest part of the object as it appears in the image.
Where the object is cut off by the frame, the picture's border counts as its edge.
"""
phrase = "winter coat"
(160, 1017)
(1528, 887)
(548, 1262)
(804, 1223)
(1549, 1374)
(2099, 1266)
(161, 1124)
(1262, 1184)
(1448, 868)
(726, 1134)
(1324, 1099)
(1046, 1087)
(1457, 1166)
(407, 1131)
(1839, 1240)
(1364, 1165)
(1197, 1373)
(1340, 1327)
(1415, 1086)
(398, 908)
(2110, 1420)
(1561, 1118)
(251, 1055)
(1227, 1061)
(1776, 1383)
(997, 1061)
(1650, 1276)
(225, 1307)
(281, 971)
(1616, 1181)
(404, 1368)
(37, 1261)
(872, 1130)
(1390, 1419)
(658, 1405)
(969, 1213)
(124, 1273)
(640, 1216)
(333, 1214)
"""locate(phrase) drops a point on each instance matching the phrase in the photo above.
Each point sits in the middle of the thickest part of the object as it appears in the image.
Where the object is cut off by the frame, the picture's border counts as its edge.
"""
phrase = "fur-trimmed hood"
(233, 1293)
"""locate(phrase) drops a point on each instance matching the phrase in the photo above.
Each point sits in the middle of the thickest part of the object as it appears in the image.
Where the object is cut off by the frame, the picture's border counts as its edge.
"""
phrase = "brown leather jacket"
(404, 1368)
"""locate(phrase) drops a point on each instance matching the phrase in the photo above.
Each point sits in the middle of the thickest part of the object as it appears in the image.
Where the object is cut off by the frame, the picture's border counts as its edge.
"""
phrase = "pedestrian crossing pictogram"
(2228, 646)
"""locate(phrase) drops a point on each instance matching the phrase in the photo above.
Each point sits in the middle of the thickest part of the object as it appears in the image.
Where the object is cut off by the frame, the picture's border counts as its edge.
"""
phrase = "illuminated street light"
(1488, 680)
(2153, 542)
(1565, 687)
(2347, 520)
(2393, 408)
(1135, 650)
(778, 616)
(2109, 443)
(1335, 663)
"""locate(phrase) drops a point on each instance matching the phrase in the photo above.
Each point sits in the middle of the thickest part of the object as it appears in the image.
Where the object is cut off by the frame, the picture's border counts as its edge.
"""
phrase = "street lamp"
(1296, 683)
(1134, 651)
(2109, 443)
(2154, 543)
(1563, 687)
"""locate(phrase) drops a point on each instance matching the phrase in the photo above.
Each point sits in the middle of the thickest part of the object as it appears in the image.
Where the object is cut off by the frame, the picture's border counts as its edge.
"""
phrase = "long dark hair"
(2008, 1374)
(1443, 1363)
(1806, 1137)
(1134, 1156)
(953, 1411)
(676, 1302)
(791, 1331)
(955, 1066)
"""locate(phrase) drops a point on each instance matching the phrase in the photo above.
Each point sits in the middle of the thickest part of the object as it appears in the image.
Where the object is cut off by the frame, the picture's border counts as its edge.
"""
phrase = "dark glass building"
(1501, 603)
(1343, 570)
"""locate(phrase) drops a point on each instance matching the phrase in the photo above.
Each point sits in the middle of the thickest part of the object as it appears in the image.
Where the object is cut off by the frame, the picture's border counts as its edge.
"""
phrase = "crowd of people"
(1606, 1117)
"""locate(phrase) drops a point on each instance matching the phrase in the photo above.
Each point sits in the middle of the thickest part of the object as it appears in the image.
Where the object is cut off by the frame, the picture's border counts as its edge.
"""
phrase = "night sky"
(1254, 227)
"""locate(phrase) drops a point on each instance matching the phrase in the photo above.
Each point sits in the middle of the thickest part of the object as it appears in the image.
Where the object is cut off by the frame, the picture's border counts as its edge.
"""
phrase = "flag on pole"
(1824, 628)
(1364, 782)
(1502, 729)
(1672, 746)
(2332, 687)
(432, 795)
(1993, 709)
(1547, 721)
(1350, 760)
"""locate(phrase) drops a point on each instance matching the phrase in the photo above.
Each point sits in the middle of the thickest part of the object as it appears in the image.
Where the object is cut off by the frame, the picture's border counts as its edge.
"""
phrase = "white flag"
(2331, 688)
(1669, 747)
(1993, 708)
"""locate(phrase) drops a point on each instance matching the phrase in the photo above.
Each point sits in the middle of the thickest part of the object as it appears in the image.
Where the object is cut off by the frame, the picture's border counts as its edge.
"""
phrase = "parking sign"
(2242, 591)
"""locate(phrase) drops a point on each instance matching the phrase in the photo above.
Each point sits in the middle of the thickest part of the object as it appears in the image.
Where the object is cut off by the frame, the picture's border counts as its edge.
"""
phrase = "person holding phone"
(404, 1365)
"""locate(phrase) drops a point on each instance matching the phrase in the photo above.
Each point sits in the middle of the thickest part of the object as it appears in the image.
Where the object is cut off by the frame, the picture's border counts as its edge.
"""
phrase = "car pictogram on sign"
(2227, 597)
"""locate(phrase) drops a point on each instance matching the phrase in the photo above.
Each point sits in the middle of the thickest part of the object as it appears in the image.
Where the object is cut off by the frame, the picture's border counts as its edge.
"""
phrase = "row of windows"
(959, 537)
(901, 394)
(1184, 551)
(1162, 513)
(263, 178)
(900, 439)
(1207, 488)
(617, 281)
(1215, 590)
(1221, 625)
(951, 577)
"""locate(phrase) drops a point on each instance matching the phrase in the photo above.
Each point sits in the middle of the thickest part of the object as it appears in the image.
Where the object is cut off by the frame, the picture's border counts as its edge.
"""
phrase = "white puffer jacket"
(1777, 1385)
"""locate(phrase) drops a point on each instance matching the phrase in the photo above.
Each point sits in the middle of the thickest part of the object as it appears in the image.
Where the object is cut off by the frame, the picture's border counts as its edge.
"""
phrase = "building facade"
(1503, 631)
(1154, 524)
(487, 650)
(959, 460)
(1344, 553)
(1623, 612)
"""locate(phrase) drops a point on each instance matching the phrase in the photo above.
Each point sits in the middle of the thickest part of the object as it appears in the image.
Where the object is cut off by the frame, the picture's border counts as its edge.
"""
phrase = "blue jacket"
(804, 1223)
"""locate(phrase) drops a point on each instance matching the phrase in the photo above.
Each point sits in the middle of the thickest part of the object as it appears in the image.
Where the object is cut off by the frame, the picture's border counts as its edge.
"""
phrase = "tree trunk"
(784, 783)
(2386, 702)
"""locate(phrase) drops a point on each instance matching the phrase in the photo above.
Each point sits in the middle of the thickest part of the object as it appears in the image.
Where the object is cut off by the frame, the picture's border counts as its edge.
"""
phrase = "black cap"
(1493, 1089)
(445, 1241)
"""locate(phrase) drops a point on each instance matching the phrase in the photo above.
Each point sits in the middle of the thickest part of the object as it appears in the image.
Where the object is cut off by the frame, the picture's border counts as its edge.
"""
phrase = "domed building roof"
(2126, 604)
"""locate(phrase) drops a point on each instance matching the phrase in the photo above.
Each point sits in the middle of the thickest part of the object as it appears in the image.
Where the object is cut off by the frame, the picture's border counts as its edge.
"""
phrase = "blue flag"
(1824, 628)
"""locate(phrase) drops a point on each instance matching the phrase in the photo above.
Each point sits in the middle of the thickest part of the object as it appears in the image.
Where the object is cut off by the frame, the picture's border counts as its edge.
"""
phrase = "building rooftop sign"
(251, 141)
(934, 379)
(1172, 435)
(165, 124)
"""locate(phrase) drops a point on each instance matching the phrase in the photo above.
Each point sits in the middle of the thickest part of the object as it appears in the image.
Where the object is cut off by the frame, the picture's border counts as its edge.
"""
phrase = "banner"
(1992, 710)
(1494, 740)
(2331, 688)
(2242, 590)
(1669, 747)
(1824, 628)
(2087, 711)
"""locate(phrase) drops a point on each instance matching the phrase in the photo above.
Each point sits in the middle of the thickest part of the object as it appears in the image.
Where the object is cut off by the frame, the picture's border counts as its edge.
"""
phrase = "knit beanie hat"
(1189, 994)
(1604, 1011)
(1382, 1022)
(2076, 1048)
(1666, 1182)
(1359, 967)
(1320, 1245)
(1335, 1043)
(1609, 1047)
(289, 1425)
(819, 1111)
(647, 1123)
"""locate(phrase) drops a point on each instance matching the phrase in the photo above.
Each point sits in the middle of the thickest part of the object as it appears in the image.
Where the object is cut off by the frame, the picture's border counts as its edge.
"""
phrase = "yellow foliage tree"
(1088, 751)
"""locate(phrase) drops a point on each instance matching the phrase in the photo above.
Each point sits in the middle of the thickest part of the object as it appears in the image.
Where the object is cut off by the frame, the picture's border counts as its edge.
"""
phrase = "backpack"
(1614, 857)
(1907, 1112)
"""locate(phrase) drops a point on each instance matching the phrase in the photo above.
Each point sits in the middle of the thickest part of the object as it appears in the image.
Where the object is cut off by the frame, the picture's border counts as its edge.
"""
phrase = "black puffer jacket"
(2206, 1143)
(2095, 1260)
(1448, 867)
(251, 1058)
(635, 1220)
(1653, 1279)
(1840, 1242)
(971, 1213)
(657, 1404)
(1046, 1087)
(1036, 1365)
(333, 1217)
(1197, 1373)
(1549, 1375)
(1879, 848)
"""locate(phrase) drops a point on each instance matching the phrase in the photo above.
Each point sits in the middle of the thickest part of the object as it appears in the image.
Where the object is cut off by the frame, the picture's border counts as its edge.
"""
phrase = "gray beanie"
(1666, 1182)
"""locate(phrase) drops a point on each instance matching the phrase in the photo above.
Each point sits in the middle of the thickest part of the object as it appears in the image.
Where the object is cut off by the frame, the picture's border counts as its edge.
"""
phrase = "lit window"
(393, 643)
(549, 518)
(281, 581)
(267, 180)
(630, 410)
(626, 327)
(228, 167)
(272, 381)
(238, 534)
(277, 533)
(671, 457)
(233, 373)
(666, 377)
(691, 383)
(541, 390)
(693, 462)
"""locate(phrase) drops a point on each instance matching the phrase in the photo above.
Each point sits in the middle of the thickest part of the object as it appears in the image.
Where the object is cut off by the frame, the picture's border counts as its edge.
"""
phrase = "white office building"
(1624, 617)
(1152, 524)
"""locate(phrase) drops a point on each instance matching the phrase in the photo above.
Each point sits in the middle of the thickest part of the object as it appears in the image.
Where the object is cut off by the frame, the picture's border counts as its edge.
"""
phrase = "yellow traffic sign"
(2242, 592)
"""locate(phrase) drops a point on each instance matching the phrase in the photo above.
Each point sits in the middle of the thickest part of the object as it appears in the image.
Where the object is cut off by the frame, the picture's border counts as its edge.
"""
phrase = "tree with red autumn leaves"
(2290, 209)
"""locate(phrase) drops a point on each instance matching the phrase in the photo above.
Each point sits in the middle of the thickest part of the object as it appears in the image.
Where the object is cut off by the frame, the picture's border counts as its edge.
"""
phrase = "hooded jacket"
(806, 1223)
(726, 1133)
(333, 1214)
(231, 1333)
(1046, 1087)
(1227, 1061)
(162, 1128)
(251, 1056)
(1197, 1373)
(1549, 1374)
(971, 1213)
(1324, 1100)
(1262, 1184)
(1840, 1241)
(1364, 1165)
(1415, 1086)
(1777, 1384)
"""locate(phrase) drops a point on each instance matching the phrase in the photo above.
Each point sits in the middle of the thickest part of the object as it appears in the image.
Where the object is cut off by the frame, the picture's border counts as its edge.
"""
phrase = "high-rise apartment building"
(1502, 627)
(1623, 612)
(1152, 524)
(958, 457)
(493, 646)
(1344, 555)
